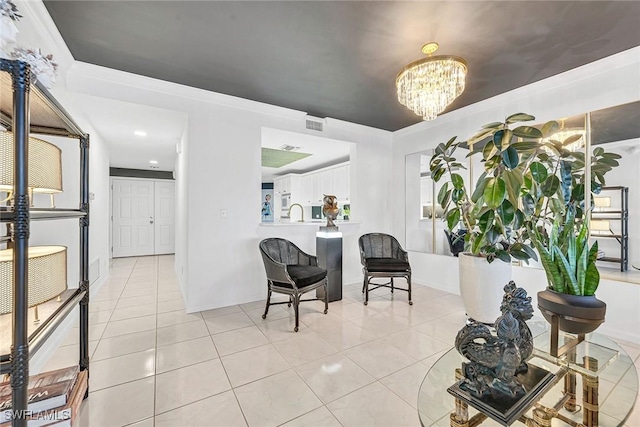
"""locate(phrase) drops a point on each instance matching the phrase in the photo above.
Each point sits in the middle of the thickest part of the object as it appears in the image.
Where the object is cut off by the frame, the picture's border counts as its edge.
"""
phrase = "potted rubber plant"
(490, 214)
(530, 180)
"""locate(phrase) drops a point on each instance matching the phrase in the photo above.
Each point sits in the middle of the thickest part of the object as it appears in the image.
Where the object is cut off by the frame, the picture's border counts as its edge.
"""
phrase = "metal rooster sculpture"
(330, 209)
(495, 360)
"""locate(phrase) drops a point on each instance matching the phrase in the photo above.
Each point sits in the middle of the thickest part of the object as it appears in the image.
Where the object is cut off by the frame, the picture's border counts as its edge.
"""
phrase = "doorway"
(142, 216)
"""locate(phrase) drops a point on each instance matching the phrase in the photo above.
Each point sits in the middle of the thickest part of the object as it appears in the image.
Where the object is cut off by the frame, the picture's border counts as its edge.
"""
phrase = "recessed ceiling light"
(140, 133)
(153, 162)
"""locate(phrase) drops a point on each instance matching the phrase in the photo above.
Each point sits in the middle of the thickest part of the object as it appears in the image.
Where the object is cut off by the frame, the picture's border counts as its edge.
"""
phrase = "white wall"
(225, 147)
(217, 260)
(37, 30)
(605, 83)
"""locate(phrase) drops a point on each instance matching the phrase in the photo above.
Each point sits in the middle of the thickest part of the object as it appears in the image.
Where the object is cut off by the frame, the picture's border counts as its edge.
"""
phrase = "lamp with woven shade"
(47, 276)
(45, 166)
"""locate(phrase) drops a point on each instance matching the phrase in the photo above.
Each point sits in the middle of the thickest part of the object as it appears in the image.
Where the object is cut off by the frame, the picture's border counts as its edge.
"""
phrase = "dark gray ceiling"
(340, 59)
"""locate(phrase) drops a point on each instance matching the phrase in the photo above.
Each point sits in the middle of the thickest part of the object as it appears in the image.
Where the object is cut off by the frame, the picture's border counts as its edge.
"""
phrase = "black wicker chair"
(456, 241)
(382, 256)
(292, 272)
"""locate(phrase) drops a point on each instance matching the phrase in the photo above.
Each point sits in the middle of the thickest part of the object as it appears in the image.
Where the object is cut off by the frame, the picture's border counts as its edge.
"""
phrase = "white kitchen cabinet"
(327, 182)
(286, 184)
(306, 190)
(316, 180)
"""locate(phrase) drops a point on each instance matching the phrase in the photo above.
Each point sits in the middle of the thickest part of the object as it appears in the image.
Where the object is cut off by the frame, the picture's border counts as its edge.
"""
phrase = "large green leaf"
(503, 255)
(457, 195)
(528, 204)
(479, 136)
(513, 180)
(592, 278)
(492, 235)
(517, 251)
(489, 150)
(494, 193)
(453, 217)
(480, 184)
(538, 172)
(510, 158)
(529, 250)
(443, 195)
(527, 132)
(519, 117)
(437, 174)
(611, 155)
(565, 269)
(550, 128)
(450, 142)
(486, 221)
(526, 145)
(571, 139)
(553, 272)
(476, 244)
(506, 212)
(457, 180)
(518, 221)
(608, 161)
(493, 125)
(565, 174)
(550, 185)
(598, 151)
(502, 138)
(497, 138)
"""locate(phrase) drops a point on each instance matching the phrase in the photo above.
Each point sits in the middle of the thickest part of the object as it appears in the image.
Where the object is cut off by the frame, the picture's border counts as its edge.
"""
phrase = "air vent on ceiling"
(314, 123)
(287, 147)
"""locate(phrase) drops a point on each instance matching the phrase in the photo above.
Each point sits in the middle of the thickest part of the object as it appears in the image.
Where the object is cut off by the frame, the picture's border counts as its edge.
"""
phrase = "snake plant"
(569, 263)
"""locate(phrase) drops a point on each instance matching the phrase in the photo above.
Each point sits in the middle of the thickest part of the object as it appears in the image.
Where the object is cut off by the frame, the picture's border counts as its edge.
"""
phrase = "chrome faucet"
(301, 211)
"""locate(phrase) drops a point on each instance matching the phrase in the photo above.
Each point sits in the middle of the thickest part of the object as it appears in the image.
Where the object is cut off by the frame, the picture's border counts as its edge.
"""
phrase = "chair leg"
(392, 285)
(296, 303)
(366, 291)
(364, 283)
(326, 296)
(289, 305)
(266, 309)
(409, 283)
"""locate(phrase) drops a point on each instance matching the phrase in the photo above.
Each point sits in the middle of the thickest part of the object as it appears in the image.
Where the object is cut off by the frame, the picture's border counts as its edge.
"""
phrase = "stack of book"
(54, 399)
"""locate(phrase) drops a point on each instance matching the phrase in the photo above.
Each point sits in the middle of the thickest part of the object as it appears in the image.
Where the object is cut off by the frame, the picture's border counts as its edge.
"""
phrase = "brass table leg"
(460, 417)
(590, 394)
(541, 418)
(570, 381)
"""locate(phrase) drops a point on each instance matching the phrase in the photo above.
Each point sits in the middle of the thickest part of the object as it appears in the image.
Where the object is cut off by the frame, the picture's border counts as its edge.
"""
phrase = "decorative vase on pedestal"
(482, 286)
(577, 314)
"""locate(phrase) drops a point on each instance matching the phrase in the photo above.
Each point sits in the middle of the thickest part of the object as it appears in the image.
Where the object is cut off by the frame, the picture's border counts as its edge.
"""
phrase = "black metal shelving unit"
(32, 109)
(617, 214)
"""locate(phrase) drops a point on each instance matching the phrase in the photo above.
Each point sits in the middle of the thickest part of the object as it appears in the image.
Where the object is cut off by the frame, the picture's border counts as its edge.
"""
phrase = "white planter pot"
(481, 286)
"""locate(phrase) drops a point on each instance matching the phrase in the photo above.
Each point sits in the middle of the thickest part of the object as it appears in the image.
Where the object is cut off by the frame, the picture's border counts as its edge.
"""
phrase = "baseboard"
(206, 307)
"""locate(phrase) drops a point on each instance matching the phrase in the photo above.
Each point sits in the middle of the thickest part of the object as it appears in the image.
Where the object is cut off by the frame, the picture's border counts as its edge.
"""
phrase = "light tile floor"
(152, 364)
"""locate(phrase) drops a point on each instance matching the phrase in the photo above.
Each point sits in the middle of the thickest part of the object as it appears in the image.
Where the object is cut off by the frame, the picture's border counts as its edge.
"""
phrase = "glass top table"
(598, 367)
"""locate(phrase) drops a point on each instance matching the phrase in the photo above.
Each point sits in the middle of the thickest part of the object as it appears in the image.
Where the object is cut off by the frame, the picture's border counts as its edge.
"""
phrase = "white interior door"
(164, 217)
(132, 211)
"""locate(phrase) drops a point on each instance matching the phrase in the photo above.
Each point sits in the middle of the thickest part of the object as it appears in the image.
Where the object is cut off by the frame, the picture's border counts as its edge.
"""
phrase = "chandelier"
(564, 134)
(427, 86)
